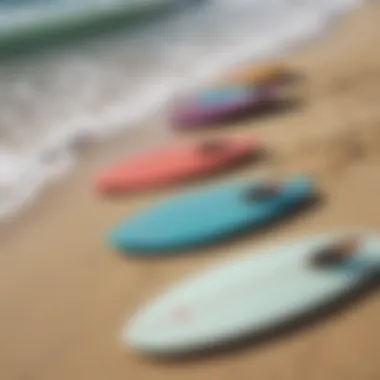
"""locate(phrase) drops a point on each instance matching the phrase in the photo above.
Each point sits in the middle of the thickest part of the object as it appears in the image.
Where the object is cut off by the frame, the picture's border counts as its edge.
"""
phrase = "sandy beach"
(64, 295)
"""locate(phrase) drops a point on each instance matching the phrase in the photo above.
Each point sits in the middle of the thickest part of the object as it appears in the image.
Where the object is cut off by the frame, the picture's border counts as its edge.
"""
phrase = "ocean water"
(52, 100)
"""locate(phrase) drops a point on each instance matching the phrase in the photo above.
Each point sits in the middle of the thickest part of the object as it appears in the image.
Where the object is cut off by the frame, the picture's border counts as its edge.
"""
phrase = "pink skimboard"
(255, 293)
(221, 104)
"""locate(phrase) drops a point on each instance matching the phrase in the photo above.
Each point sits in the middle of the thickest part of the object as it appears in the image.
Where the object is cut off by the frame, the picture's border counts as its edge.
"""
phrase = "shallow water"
(96, 88)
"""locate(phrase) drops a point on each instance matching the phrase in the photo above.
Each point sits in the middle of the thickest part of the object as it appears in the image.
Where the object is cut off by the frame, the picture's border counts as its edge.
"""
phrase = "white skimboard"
(257, 292)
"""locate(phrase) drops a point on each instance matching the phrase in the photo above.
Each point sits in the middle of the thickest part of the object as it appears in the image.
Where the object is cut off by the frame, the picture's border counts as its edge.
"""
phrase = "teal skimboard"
(205, 216)
(255, 293)
(24, 22)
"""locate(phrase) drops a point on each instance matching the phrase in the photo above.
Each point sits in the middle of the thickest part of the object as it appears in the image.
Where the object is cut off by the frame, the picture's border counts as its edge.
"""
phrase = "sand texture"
(64, 295)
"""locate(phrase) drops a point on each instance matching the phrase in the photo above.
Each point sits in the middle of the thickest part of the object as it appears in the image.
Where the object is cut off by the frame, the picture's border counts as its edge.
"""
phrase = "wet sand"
(64, 295)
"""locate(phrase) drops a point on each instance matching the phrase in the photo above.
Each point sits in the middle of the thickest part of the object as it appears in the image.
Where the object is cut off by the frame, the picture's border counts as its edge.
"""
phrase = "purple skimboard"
(218, 105)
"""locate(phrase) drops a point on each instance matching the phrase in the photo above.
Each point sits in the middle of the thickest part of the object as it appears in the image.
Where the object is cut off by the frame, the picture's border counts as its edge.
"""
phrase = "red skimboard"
(221, 104)
(175, 164)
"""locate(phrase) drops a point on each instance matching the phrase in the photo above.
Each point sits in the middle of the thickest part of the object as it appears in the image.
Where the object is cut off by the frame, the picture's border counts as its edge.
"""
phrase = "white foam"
(57, 101)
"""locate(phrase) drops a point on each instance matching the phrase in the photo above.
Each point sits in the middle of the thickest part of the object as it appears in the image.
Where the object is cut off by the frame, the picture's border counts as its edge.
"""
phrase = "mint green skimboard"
(257, 292)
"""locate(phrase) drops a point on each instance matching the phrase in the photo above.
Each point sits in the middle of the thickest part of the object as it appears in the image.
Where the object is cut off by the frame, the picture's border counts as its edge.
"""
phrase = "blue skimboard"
(224, 96)
(205, 216)
(257, 292)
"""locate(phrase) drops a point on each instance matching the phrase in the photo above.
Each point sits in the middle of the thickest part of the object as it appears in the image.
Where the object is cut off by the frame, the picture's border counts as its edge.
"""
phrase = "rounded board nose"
(106, 183)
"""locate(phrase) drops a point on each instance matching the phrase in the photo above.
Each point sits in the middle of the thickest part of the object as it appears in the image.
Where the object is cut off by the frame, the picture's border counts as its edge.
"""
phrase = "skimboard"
(255, 293)
(205, 216)
(254, 74)
(25, 22)
(221, 104)
(175, 164)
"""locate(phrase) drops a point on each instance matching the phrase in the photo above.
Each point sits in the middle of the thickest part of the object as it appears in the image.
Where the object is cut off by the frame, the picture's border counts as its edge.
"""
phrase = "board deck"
(220, 104)
(259, 291)
(176, 163)
(209, 215)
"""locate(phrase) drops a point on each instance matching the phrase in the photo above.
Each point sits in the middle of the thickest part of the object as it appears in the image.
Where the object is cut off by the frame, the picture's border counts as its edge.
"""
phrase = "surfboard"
(177, 163)
(26, 22)
(219, 105)
(255, 74)
(208, 215)
(255, 293)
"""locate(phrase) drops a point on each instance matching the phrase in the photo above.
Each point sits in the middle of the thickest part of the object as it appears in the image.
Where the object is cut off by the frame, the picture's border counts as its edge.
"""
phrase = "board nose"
(101, 184)
(115, 238)
(110, 182)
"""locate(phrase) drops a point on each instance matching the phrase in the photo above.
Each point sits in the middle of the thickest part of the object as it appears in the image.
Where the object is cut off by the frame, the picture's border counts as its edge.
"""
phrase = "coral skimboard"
(174, 164)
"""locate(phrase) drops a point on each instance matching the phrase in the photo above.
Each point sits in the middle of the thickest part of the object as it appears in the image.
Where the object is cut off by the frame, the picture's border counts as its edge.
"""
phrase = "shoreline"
(93, 144)
(57, 151)
(65, 296)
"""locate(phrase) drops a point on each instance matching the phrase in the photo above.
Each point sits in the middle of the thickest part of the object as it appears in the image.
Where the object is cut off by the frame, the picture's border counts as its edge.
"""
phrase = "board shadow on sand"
(221, 241)
(297, 325)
